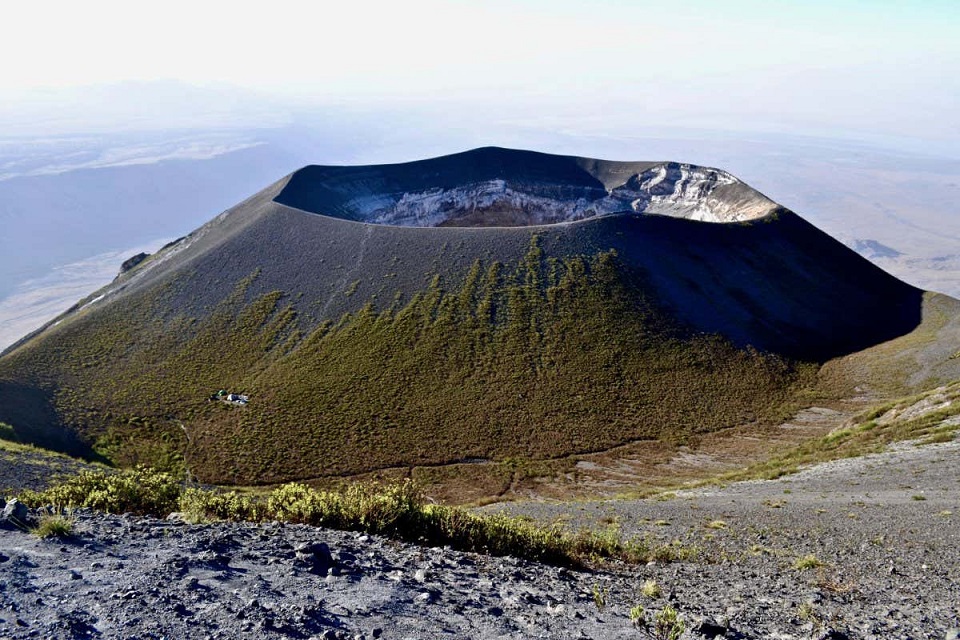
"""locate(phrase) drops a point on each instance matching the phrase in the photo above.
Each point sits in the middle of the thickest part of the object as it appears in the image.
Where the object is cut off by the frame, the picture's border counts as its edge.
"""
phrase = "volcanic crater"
(494, 191)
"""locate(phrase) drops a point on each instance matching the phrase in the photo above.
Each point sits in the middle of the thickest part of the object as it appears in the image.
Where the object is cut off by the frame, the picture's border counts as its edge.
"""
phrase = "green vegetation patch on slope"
(127, 382)
(397, 510)
(928, 418)
(534, 360)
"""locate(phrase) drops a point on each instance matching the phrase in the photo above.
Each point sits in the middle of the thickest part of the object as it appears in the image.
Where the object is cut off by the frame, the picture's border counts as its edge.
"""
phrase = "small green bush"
(665, 625)
(668, 625)
(600, 596)
(7, 432)
(199, 505)
(139, 491)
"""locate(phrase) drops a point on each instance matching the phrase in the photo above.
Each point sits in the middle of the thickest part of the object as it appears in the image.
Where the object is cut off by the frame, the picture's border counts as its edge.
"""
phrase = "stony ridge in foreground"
(887, 572)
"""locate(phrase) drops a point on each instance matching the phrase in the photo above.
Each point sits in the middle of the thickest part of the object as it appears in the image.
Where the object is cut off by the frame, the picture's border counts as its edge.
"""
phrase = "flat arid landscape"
(655, 402)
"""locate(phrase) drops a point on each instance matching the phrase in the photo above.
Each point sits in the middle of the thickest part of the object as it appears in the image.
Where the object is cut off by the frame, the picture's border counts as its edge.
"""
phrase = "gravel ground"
(886, 528)
(22, 468)
(891, 564)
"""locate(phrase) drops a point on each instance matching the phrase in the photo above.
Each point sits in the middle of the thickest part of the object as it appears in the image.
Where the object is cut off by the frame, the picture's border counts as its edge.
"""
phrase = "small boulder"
(316, 557)
(132, 262)
(14, 514)
(709, 628)
(833, 634)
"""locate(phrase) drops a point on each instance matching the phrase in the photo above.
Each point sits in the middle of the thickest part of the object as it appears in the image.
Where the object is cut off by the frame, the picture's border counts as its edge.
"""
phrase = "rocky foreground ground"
(863, 548)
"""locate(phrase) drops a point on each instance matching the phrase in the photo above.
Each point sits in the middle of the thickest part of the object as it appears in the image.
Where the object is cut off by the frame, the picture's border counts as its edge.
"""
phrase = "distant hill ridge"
(494, 304)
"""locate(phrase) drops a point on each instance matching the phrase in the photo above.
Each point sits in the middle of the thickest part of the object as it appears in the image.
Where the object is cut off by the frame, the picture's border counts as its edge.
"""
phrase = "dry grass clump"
(651, 589)
(54, 525)
(808, 561)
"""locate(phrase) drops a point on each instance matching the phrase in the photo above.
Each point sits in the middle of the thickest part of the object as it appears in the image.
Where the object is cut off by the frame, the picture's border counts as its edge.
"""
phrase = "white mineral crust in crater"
(669, 189)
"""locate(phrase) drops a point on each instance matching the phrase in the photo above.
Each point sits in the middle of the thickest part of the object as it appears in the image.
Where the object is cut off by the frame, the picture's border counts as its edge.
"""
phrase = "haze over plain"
(126, 127)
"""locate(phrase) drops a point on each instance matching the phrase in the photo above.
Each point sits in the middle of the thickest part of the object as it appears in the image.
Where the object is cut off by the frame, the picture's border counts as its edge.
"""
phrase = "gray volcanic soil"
(891, 572)
(34, 469)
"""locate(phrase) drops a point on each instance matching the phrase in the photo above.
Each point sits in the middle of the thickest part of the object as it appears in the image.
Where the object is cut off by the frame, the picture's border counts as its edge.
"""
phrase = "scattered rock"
(316, 557)
(132, 262)
(15, 514)
(241, 580)
(708, 628)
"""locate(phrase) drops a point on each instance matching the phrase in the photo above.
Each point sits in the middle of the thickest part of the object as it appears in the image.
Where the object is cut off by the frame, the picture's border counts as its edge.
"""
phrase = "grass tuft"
(55, 525)
(808, 561)
(651, 589)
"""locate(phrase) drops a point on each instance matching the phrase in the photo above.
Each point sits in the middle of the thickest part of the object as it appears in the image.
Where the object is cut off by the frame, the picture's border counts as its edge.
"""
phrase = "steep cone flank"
(494, 304)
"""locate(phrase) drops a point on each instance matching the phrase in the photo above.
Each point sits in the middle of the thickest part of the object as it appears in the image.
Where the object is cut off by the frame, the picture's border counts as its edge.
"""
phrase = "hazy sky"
(877, 67)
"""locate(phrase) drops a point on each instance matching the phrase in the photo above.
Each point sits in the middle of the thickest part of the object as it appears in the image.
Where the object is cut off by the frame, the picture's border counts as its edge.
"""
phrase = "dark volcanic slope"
(778, 284)
(517, 339)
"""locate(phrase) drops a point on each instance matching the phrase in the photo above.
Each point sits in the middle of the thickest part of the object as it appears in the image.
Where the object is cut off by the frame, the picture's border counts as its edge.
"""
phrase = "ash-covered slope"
(502, 304)
(772, 281)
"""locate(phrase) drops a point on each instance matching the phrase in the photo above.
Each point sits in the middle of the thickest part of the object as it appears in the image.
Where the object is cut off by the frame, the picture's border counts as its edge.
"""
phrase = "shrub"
(7, 432)
(666, 624)
(199, 505)
(600, 596)
(139, 491)
(398, 510)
